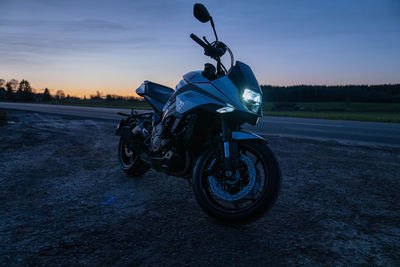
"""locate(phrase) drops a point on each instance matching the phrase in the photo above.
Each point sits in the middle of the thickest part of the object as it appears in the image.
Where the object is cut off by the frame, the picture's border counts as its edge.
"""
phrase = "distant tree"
(24, 91)
(9, 91)
(13, 84)
(60, 95)
(46, 95)
(97, 96)
(3, 93)
(389, 93)
(24, 86)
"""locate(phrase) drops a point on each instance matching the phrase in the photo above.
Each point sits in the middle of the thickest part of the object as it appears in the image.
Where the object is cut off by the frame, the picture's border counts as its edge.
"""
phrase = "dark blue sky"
(81, 46)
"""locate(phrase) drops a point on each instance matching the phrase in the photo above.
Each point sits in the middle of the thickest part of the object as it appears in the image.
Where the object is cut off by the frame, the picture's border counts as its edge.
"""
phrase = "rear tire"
(219, 208)
(131, 164)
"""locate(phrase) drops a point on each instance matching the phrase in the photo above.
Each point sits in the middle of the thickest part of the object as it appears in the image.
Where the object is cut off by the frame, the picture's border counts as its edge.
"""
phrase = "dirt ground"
(64, 200)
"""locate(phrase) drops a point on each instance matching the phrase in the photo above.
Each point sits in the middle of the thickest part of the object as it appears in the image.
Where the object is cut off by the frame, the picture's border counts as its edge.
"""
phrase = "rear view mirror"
(201, 13)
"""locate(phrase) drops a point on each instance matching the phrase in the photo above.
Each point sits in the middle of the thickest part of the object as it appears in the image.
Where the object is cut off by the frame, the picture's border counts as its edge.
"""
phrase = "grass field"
(379, 112)
(353, 116)
(343, 106)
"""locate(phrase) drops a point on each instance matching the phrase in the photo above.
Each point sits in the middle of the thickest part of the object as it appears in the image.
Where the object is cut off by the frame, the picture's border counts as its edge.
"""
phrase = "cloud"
(24, 39)
(62, 25)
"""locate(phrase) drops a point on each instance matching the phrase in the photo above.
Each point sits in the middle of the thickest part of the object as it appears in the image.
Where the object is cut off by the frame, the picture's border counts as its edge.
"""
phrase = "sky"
(81, 46)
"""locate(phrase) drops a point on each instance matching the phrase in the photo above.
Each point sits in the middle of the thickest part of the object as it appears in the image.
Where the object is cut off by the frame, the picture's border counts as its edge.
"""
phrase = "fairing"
(196, 91)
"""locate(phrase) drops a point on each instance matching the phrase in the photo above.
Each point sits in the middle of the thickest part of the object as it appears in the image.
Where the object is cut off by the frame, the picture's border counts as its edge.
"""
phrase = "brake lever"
(205, 40)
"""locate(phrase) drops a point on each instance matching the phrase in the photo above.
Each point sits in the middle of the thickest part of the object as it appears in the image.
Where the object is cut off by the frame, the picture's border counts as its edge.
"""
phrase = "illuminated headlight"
(252, 100)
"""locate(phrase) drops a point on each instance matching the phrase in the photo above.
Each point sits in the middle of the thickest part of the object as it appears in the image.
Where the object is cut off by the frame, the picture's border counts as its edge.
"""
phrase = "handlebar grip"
(198, 40)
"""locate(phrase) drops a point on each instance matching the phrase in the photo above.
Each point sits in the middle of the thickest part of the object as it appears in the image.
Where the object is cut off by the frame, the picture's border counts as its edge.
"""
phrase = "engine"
(163, 135)
(158, 141)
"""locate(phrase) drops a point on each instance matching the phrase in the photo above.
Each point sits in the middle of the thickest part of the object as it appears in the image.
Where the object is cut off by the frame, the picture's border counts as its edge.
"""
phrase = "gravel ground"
(65, 201)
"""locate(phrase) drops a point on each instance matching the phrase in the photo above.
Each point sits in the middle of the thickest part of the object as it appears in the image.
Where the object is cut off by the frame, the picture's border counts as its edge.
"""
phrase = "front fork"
(231, 150)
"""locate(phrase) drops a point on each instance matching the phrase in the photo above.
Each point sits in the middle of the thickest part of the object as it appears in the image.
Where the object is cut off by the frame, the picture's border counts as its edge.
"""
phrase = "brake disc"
(218, 189)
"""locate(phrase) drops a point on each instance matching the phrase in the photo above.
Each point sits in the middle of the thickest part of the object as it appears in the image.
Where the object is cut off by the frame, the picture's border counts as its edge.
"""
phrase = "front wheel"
(245, 196)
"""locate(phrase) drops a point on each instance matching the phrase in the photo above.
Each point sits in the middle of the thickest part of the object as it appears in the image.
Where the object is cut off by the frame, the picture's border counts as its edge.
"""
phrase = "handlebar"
(214, 50)
(211, 50)
(198, 40)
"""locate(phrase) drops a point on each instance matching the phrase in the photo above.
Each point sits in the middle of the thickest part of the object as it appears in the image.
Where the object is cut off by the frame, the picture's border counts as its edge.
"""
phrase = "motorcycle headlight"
(252, 100)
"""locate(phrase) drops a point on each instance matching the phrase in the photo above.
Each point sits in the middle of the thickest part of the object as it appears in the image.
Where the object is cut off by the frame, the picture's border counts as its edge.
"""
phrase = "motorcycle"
(195, 132)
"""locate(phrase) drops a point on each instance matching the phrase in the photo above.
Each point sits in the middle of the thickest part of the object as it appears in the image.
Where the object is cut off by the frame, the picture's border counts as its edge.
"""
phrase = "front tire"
(131, 164)
(256, 189)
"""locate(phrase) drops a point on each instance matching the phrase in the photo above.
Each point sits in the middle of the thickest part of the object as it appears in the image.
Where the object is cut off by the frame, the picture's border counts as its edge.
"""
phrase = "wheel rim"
(241, 195)
(218, 188)
(126, 156)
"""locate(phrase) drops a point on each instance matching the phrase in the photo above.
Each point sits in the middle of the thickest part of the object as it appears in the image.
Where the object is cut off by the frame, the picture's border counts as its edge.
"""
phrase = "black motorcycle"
(195, 132)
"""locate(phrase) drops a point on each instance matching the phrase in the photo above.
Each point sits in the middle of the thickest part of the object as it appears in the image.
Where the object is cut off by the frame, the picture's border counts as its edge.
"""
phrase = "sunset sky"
(112, 46)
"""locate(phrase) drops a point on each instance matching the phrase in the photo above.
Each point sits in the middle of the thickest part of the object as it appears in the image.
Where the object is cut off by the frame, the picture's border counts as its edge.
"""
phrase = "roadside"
(374, 112)
(343, 115)
(356, 111)
(367, 133)
(65, 201)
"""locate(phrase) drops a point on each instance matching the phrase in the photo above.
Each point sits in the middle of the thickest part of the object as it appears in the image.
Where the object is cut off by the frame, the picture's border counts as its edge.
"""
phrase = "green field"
(353, 116)
(343, 106)
(379, 112)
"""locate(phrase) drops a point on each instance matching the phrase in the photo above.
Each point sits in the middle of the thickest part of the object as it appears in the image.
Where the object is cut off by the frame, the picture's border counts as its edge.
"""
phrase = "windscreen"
(242, 76)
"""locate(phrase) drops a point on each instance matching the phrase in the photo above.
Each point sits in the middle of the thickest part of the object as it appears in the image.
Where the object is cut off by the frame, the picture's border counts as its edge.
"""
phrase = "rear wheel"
(131, 164)
(248, 194)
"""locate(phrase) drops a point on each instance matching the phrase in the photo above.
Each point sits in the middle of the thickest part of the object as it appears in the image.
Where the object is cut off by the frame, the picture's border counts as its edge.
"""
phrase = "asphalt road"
(352, 132)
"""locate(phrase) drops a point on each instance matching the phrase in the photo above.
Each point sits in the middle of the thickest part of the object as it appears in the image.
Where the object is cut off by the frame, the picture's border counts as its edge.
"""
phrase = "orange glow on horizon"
(81, 93)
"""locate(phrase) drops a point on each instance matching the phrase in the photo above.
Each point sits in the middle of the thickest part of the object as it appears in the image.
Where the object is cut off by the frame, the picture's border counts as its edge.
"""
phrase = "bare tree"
(13, 85)
(98, 95)
(60, 95)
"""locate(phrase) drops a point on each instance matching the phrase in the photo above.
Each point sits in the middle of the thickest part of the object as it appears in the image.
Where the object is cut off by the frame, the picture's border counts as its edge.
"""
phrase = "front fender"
(243, 135)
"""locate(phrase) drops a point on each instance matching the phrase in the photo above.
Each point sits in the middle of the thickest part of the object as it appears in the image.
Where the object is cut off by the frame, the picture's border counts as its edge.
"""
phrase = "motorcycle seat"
(155, 93)
(154, 90)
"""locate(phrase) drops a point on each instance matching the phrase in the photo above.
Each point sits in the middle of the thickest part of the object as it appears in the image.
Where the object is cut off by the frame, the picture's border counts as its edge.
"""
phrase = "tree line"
(386, 93)
(23, 92)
